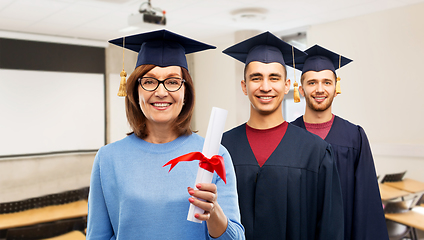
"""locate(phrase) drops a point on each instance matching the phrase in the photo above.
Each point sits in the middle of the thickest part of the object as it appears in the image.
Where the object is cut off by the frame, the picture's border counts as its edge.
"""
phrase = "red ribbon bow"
(215, 163)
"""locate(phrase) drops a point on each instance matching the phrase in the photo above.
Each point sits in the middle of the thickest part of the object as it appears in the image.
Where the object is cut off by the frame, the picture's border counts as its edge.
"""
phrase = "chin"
(162, 119)
(320, 108)
(266, 111)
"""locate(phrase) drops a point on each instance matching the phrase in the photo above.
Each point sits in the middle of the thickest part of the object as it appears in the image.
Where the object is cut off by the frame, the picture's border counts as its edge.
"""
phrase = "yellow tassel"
(338, 91)
(296, 96)
(123, 85)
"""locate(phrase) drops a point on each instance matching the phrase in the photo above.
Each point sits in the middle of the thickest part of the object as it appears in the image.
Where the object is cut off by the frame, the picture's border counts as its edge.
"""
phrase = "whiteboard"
(48, 112)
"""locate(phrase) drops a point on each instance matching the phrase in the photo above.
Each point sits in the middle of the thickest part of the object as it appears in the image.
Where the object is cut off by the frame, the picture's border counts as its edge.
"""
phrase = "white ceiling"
(205, 20)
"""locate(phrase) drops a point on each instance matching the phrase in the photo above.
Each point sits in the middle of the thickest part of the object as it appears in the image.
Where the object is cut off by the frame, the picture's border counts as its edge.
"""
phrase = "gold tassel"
(123, 85)
(296, 96)
(338, 91)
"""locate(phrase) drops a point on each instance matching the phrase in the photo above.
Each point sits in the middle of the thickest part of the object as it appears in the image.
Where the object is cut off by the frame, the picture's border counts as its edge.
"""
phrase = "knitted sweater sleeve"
(98, 222)
(228, 200)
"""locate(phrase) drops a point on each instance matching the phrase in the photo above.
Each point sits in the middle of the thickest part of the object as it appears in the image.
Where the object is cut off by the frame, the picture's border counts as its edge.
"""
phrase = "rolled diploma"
(210, 148)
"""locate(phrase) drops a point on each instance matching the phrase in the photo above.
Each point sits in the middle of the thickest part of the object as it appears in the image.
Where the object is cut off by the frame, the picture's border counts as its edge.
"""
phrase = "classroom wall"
(29, 177)
(217, 83)
(25, 175)
(381, 87)
(116, 121)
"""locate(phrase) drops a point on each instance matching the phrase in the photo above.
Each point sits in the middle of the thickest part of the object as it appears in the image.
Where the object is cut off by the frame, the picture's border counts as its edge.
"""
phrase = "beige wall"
(217, 83)
(381, 87)
(29, 177)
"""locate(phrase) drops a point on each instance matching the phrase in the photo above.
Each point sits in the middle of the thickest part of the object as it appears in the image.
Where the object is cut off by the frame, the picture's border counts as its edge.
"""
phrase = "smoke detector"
(249, 14)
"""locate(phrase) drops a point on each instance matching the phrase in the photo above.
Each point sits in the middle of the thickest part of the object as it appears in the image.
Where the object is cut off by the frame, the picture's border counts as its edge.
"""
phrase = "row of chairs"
(60, 226)
(403, 204)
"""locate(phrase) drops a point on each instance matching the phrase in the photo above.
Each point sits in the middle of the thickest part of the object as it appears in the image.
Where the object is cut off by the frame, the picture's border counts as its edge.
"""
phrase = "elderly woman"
(131, 195)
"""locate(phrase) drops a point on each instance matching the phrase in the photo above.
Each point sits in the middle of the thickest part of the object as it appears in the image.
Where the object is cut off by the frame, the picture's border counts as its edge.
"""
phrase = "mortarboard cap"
(319, 59)
(265, 48)
(161, 48)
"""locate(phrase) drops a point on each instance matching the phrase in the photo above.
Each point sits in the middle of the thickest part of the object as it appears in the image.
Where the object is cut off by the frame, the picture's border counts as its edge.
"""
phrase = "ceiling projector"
(148, 15)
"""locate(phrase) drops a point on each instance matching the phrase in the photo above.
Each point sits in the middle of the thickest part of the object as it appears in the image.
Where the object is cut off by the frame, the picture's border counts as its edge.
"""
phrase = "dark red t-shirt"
(320, 129)
(263, 142)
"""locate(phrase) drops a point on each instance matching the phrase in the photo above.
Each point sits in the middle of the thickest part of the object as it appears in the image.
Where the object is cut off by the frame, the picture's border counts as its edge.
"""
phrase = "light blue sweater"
(133, 197)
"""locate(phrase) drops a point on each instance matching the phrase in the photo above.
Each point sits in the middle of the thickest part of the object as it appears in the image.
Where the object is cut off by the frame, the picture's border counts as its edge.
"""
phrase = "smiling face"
(319, 90)
(161, 107)
(265, 84)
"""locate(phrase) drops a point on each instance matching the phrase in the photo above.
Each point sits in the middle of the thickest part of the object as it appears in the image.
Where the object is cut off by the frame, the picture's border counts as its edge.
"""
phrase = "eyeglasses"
(171, 84)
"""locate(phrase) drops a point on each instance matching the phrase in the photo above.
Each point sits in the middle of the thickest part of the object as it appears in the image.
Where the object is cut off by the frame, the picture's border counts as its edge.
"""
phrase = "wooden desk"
(74, 235)
(411, 218)
(388, 192)
(45, 214)
(408, 185)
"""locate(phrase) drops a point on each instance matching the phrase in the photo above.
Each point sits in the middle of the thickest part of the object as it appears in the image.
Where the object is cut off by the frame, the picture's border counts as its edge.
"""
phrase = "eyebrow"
(167, 76)
(260, 75)
(255, 75)
(275, 75)
(323, 79)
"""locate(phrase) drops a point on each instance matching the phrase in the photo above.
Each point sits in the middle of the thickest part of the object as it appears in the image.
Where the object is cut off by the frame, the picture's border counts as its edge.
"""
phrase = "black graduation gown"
(364, 215)
(296, 194)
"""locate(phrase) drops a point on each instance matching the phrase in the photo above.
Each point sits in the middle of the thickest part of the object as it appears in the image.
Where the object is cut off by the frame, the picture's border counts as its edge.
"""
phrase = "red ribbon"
(215, 163)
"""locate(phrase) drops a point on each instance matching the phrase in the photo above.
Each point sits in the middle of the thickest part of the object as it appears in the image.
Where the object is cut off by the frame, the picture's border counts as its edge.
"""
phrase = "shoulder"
(232, 136)
(345, 124)
(112, 153)
(119, 145)
(195, 139)
(298, 122)
(345, 133)
(302, 137)
(235, 132)
(309, 149)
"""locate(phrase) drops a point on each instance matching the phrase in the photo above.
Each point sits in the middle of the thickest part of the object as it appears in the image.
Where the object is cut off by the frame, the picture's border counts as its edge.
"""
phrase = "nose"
(320, 88)
(161, 92)
(265, 85)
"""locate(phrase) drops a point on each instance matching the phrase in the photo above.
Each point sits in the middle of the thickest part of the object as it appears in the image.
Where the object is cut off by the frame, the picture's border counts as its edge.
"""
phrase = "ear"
(301, 91)
(243, 87)
(287, 86)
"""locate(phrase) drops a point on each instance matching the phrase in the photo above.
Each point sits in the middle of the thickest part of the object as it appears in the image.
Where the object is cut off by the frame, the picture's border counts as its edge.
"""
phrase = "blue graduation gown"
(295, 195)
(363, 211)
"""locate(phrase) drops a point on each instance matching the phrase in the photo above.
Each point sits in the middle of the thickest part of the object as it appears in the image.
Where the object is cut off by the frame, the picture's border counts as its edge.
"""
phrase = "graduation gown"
(364, 216)
(296, 194)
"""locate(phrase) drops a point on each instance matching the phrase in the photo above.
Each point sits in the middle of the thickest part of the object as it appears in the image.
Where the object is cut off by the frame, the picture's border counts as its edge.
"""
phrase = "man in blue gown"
(364, 216)
(287, 180)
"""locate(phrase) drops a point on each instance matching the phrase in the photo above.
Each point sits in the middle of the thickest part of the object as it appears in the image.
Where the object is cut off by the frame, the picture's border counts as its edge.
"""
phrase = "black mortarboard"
(161, 48)
(265, 48)
(319, 59)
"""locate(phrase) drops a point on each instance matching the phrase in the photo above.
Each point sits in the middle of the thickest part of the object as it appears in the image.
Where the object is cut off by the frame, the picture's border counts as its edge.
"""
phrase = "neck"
(312, 116)
(265, 121)
(160, 133)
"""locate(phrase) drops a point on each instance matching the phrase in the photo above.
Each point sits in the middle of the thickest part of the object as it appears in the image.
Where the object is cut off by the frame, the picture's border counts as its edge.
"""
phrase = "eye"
(149, 81)
(256, 79)
(173, 81)
(274, 78)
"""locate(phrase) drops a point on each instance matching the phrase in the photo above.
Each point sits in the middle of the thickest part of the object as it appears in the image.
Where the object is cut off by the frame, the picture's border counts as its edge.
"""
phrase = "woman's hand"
(213, 215)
